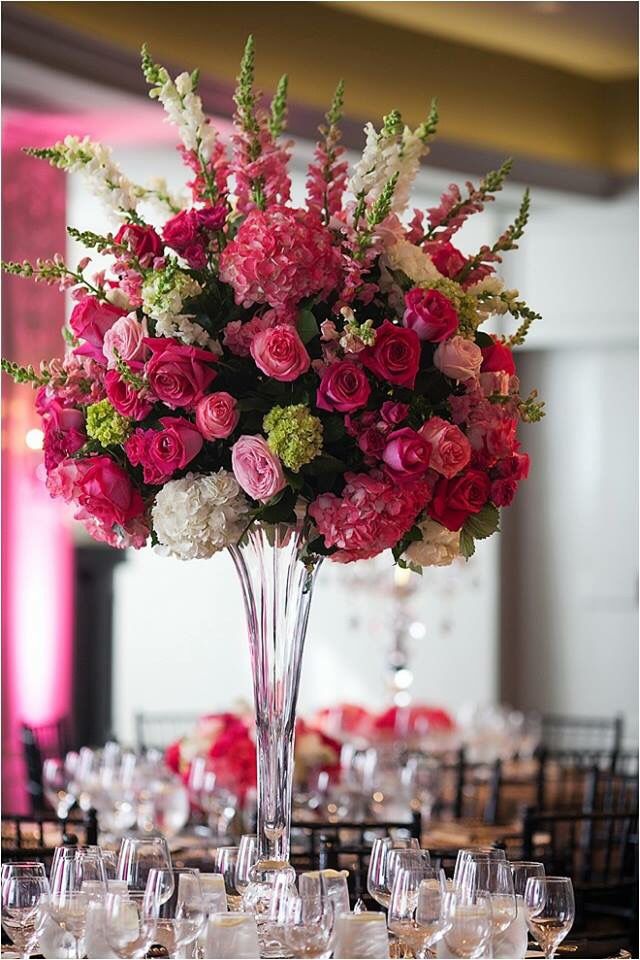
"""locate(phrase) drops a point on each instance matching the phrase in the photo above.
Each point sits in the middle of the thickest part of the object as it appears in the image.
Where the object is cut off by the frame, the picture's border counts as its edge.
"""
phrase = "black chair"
(40, 743)
(587, 780)
(582, 733)
(599, 852)
(468, 790)
(345, 845)
(158, 730)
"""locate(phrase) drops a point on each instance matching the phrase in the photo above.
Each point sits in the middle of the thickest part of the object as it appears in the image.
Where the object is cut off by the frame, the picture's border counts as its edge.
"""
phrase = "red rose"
(344, 387)
(456, 499)
(161, 452)
(182, 230)
(106, 491)
(280, 353)
(124, 398)
(91, 318)
(406, 453)
(395, 356)
(449, 448)
(446, 258)
(430, 314)
(497, 357)
(143, 242)
(510, 472)
(178, 375)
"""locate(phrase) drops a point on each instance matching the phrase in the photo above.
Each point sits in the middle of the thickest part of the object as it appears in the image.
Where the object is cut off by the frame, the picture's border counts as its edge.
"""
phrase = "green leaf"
(325, 464)
(333, 429)
(481, 525)
(467, 544)
(483, 339)
(307, 326)
(280, 509)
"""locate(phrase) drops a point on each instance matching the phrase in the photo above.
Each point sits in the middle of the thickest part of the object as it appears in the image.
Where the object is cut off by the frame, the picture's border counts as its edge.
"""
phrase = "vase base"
(265, 897)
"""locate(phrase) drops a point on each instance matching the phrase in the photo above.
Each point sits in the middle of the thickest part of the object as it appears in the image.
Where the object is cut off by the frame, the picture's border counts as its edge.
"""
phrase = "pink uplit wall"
(37, 549)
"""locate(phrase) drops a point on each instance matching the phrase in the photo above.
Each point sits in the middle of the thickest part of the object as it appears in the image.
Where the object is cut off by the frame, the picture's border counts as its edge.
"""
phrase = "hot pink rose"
(394, 413)
(450, 449)
(256, 468)
(344, 387)
(498, 357)
(406, 453)
(446, 258)
(126, 337)
(64, 432)
(91, 318)
(430, 314)
(212, 218)
(100, 486)
(161, 452)
(182, 230)
(217, 415)
(125, 398)
(280, 353)
(143, 242)
(178, 375)
(395, 356)
(458, 358)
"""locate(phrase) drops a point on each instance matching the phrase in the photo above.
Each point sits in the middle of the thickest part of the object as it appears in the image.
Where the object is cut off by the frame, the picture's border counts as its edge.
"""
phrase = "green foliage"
(467, 544)
(127, 374)
(531, 409)
(20, 374)
(16, 269)
(95, 241)
(334, 114)
(482, 524)
(307, 325)
(381, 207)
(427, 129)
(244, 97)
(278, 118)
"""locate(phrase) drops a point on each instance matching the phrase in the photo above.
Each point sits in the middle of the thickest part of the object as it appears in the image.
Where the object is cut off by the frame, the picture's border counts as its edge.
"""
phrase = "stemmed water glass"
(22, 896)
(226, 863)
(409, 873)
(522, 870)
(468, 922)
(378, 880)
(127, 929)
(485, 874)
(56, 784)
(550, 910)
(431, 915)
(173, 901)
(308, 924)
(137, 857)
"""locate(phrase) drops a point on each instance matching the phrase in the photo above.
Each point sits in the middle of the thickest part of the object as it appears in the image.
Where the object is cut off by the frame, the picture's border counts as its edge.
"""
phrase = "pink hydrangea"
(372, 514)
(279, 256)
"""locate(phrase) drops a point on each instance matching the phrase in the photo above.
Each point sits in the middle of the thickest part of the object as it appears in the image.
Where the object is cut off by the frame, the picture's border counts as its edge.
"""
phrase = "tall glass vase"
(277, 586)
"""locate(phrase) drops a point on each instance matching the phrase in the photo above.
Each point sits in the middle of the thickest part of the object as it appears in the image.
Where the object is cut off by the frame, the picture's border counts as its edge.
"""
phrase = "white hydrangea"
(199, 515)
(104, 177)
(183, 327)
(382, 157)
(183, 107)
(164, 292)
(439, 547)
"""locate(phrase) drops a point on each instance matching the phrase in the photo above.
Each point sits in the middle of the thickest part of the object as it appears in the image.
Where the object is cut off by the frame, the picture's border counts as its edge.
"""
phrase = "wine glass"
(56, 781)
(127, 930)
(550, 910)
(173, 901)
(226, 862)
(79, 869)
(22, 896)
(22, 868)
(378, 884)
(431, 917)
(493, 878)
(68, 909)
(139, 855)
(468, 923)
(522, 870)
(247, 857)
(308, 925)
(408, 875)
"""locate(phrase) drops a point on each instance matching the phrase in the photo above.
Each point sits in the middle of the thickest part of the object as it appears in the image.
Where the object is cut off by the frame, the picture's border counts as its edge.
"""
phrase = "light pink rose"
(126, 337)
(458, 358)
(256, 468)
(406, 453)
(450, 449)
(217, 415)
(280, 353)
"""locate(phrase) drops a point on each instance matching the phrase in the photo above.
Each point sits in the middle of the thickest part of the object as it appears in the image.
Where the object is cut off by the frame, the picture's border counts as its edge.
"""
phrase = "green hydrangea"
(293, 434)
(106, 425)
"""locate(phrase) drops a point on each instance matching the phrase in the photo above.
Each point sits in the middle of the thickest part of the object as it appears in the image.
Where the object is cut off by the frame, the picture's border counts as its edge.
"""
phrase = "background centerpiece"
(287, 382)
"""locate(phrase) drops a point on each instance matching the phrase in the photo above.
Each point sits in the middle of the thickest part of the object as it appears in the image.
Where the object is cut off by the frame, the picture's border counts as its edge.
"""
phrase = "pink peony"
(430, 314)
(395, 356)
(407, 453)
(161, 452)
(458, 358)
(279, 256)
(450, 449)
(280, 353)
(372, 513)
(178, 375)
(344, 387)
(256, 468)
(91, 318)
(126, 337)
(125, 398)
(217, 415)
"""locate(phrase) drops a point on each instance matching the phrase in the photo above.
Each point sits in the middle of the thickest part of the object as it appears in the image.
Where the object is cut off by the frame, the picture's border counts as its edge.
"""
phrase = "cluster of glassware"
(98, 905)
(129, 789)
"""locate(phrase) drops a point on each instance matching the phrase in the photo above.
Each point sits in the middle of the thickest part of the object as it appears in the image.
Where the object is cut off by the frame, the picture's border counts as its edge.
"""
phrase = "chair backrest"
(158, 730)
(469, 791)
(582, 733)
(587, 780)
(38, 744)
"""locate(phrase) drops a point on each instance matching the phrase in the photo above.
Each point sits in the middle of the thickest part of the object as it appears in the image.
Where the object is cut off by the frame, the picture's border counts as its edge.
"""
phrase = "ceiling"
(598, 40)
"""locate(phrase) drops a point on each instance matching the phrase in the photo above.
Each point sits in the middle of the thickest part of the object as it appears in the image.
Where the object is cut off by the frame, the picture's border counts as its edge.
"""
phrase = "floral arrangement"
(227, 741)
(233, 358)
(350, 721)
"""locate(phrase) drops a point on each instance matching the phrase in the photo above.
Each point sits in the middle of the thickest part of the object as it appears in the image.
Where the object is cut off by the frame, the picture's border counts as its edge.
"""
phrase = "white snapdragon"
(158, 195)
(495, 299)
(199, 515)
(439, 547)
(413, 261)
(104, 177)
(183, 327)
(164, 292)
(183, 107)
(383, 157)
